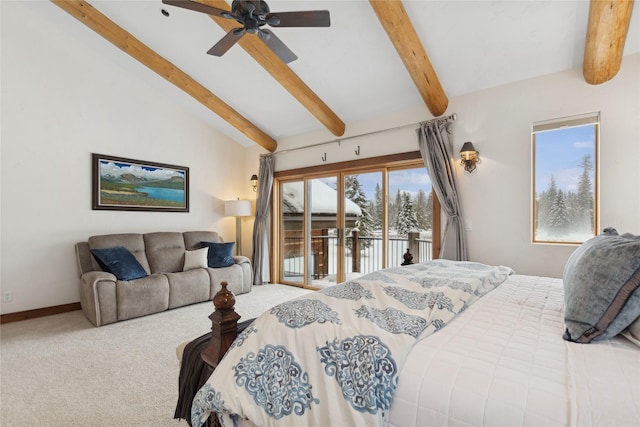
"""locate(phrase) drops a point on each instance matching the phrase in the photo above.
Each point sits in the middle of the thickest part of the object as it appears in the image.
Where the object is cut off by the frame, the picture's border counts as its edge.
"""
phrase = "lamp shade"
(468, 151)
(237, 208)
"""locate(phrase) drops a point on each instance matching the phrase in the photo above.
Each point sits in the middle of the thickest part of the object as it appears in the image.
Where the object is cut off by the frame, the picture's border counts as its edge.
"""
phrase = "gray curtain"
(261, 229)
(434, 139)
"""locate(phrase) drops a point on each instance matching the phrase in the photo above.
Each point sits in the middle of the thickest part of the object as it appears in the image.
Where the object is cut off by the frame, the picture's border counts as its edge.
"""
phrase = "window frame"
(588, 119)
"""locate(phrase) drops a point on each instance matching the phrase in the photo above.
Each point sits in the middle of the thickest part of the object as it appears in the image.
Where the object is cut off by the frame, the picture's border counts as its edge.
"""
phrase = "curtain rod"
(339, 140)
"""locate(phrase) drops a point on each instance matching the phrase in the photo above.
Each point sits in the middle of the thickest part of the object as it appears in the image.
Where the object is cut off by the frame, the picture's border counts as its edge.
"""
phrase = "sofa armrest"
(95, 276)
(98, 297)
(247, 272)
(239, 259)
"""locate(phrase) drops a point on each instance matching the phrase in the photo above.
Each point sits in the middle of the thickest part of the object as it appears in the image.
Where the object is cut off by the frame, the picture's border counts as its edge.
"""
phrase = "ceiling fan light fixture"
(273, 21)
(252, 15)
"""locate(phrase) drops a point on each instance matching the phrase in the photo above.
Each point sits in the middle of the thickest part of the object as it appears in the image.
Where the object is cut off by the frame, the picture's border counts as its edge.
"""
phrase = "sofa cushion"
(143, 296)
(165, 251)
(195, 259)
(132, 241)
(119, 262)
(602, 287)
(220, 254)
(192, 239)
(188, 287)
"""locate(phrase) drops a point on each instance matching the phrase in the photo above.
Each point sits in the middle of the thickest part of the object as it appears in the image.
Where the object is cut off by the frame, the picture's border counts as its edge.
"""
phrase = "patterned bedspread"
(333, 357)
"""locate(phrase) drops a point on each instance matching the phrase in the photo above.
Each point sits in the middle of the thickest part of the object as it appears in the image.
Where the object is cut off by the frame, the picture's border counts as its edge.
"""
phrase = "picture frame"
(137, 185)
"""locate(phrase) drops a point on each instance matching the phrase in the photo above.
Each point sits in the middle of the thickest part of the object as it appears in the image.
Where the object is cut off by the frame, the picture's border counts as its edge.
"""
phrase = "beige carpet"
(62, 371)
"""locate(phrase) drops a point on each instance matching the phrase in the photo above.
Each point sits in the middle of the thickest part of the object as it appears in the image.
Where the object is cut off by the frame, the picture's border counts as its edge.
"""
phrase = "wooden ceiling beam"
(281, 72)
(606, 34)
(400, 30)
(92, 18)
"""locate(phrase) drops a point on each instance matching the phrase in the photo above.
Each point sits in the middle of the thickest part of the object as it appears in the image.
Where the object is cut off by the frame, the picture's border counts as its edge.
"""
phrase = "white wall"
(63, 100)
(497, 197)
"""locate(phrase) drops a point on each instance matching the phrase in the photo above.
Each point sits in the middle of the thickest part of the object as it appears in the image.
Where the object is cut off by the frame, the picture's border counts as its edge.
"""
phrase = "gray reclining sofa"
(105, 299)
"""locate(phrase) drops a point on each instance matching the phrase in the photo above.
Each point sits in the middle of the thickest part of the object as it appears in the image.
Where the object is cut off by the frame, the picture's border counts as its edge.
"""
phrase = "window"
(565, 179)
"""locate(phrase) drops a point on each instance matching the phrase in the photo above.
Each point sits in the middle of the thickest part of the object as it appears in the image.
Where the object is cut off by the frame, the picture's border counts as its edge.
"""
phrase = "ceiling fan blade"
(227, 42)
(306, 18)
(276, 45)
(199, 7)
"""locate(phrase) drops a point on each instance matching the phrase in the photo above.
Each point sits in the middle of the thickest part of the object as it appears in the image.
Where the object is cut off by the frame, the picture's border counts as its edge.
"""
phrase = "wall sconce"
(254, 183)
(469, 157)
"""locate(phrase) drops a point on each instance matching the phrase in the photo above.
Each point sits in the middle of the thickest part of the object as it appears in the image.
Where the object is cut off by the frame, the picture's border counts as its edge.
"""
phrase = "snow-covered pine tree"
(583, 216)
(394, 208)
(559, 220)
(354, 192)
(376, 212)
(545, 202)
(407, 220)
(423, 208)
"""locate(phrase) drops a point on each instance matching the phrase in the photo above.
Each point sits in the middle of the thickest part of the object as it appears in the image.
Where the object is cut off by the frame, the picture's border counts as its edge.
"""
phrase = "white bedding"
(333, 357)
(503, 362)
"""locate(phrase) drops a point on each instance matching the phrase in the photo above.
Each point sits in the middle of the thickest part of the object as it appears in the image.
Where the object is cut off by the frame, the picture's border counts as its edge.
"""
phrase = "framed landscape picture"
(127, 184)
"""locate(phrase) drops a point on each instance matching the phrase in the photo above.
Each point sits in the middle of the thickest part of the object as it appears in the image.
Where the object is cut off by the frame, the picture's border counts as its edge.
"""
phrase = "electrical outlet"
(7, 296)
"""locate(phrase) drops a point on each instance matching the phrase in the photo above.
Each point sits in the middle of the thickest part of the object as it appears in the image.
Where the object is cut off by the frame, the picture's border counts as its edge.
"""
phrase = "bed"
(504, 363)
(489, 351)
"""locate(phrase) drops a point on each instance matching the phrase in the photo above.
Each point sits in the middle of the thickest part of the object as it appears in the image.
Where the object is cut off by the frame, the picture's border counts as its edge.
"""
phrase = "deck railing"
(363, 254)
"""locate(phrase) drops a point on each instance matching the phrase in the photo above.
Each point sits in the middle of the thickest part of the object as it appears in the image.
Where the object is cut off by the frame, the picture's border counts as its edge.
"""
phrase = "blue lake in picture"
(163, 193)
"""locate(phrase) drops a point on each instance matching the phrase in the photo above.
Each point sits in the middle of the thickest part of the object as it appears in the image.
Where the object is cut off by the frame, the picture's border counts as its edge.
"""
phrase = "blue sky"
(409, 180)
(560, 152)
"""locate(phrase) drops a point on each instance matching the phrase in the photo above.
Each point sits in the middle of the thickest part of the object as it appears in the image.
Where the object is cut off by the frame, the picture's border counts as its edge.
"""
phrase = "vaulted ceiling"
(378, 57)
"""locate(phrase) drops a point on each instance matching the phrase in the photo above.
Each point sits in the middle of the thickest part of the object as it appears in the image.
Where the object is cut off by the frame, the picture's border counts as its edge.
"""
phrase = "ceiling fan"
(253, 15)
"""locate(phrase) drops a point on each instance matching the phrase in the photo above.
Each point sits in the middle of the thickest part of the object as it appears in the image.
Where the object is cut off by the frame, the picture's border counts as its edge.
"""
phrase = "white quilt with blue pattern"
(333, 357)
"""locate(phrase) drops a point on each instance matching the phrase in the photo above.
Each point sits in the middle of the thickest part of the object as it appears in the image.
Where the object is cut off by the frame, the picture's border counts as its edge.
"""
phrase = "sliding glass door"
(292, 232)
(337, 226)
(309, 231)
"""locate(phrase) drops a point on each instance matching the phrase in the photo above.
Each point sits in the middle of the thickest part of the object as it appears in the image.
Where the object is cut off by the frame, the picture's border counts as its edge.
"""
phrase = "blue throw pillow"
(220, 254)
(602, 287)
(119, 262)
